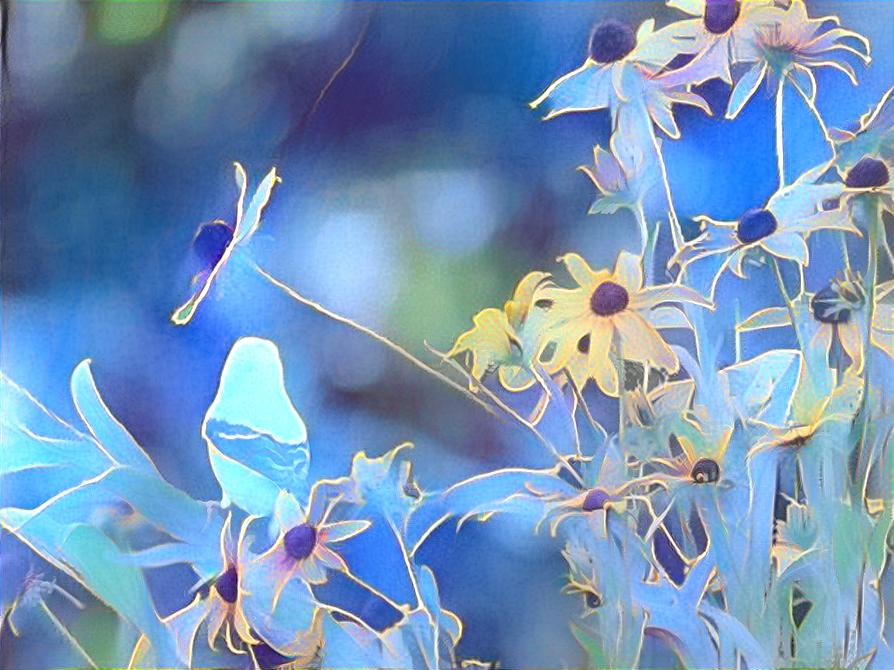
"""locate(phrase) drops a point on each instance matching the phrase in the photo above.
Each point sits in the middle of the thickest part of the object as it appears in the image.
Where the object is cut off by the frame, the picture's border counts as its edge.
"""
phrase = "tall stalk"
(676, 231)
(780, 140)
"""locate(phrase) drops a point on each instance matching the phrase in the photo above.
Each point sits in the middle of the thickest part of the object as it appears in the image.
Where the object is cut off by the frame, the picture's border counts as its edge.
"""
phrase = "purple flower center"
(211, 241)
(593, 600)
(227, 584)
(755, 224)
(609, 298)
(268, 657)
(720, 15)
(867, 173)
(595, 500)
(610, 41)
(705, 471)
(300, 541)
(825, 305)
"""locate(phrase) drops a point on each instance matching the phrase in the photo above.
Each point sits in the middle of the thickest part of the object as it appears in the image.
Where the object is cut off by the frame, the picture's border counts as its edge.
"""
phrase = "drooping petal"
(745, 88)
(343, 530)
(717, 237)
(629, 272)
(580, 270)
(668, 317)
(691, 7)
(587, 88)
(852, 341)
(639, 341)
(490, 342)
(248, 223)
(184, 314)
(790, 246)
(652, 296)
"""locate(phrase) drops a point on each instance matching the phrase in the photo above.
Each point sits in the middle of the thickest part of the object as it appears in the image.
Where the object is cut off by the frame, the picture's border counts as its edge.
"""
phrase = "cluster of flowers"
(739, 516)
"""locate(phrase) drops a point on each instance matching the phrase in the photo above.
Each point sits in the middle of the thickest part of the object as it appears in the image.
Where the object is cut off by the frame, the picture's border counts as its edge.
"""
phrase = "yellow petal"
(628, 271)
(640, 342)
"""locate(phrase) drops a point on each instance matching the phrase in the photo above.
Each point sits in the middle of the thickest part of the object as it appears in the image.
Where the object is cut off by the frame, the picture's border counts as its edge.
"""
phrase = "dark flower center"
(583, 344)
(610, 41)
(609, 298)
(720, 15)
(755, 225)
(268, 657)
(211, 241)
(705, 471)
(867, 173)
(593, 600)
(227, 584)
(595, 500)
(826, 307)
(300, 541)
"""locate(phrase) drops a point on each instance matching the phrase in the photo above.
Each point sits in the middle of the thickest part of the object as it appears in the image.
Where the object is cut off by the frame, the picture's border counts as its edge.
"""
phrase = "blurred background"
(419, 192)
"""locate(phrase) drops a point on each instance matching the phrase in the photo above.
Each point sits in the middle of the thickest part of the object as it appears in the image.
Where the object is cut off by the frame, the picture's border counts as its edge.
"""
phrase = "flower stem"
(317, 307)
(811, 104)
(788, 301)
(649, 243)
(676, 231)
(780, 141)
(876, 234)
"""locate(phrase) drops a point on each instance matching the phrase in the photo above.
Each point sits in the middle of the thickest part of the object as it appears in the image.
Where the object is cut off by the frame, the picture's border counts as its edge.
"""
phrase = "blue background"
(421, 190)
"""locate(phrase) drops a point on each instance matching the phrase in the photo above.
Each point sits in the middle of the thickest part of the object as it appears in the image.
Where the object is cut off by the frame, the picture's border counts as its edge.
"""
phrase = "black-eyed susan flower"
(779, 228)
(220, 609)
(302, 548)
(608, 317)
(811, 409)
(872, 135)
(869, 177)
(604, 488)
(697, 460)
(718, 25)
(837, 312)
(505, 341)
(621, 68)
(214, 242)
(786, 44)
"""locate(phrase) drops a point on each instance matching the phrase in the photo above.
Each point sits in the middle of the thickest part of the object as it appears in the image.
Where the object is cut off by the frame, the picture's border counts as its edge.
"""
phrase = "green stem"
(780, 142)
(788, 301)
(876, 233)
(845, 257)
(676, 231)
(649, 243)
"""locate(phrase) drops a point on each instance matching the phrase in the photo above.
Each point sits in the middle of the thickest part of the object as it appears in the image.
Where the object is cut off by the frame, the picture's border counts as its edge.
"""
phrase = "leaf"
(762, 386)
(34, 439)
(506, 490)
(590, 642)
(105, 428)
(257, 441)
(732, 630)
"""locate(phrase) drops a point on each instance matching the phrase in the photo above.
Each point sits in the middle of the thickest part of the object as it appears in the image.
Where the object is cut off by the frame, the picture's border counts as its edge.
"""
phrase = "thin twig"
(509, 410)
(676, 231)
(295, 295)
(308, 115)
